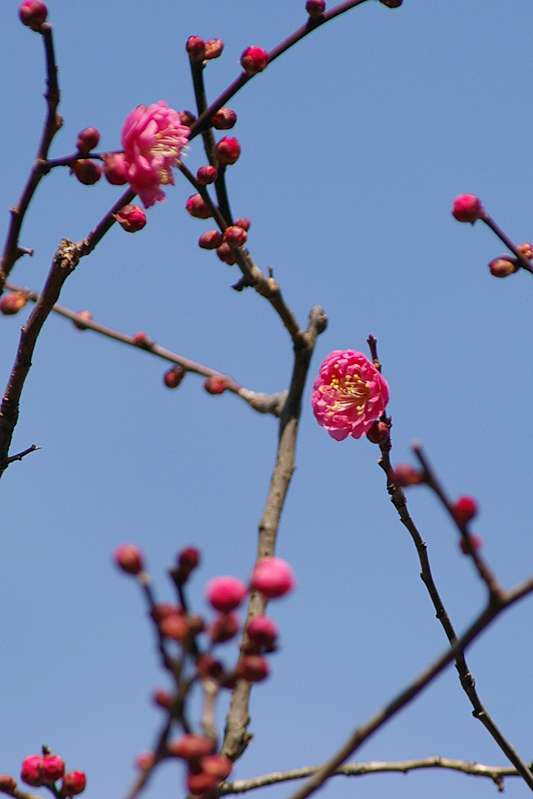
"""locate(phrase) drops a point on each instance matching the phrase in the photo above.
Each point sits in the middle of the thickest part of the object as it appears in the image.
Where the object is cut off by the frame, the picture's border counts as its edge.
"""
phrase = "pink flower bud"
(195, 46)
(228, 150)
(140, 339)
(502, 267)
(116, 169)
(200, 782)
(162, 699)
(190, 747)
(208, 666)
(225, 253)
(131, 218)
(73, 783)
(224, 628)
(187, 118)
(254, 59)
(88, 139)
(197, 207)
(273, 577)
(129, 558)
(213, 48)
(526, 249)
(224, 119)
(33, 13)
(163, 610)
(243, 222)
(86, 171)
(225, 593)
(262, 631)
(405, 475)
(145, 761)
(173, 377)
(464, 510)
(219, 766)
(235, 235)
(378, 433)
(8, 784)
(215, 384)
(210, 240)
(315, 8)
(253, 668)
(13, 302)
(470, 544)
(52, 768)
(206, 175)
(85, 316)
(30, 772)
(467, 208)
(391, 3)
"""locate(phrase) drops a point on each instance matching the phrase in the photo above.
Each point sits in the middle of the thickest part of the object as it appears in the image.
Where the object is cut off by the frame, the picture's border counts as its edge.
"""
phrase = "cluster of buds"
(205, 768)
(507, 265)
(225, 243)
(200, 50)
(46, 770)
(463, 511)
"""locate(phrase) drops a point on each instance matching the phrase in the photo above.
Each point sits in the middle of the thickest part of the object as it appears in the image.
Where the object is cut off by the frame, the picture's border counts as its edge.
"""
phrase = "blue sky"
(354, 144)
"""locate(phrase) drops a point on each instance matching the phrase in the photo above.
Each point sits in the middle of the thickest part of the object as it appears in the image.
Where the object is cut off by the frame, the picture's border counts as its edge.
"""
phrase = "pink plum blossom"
(153, 138)
(273, 577)
(349, 394)
(225, 593)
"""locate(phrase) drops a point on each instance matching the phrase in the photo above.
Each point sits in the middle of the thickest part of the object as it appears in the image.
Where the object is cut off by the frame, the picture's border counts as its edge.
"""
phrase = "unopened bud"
(471, 543)
(33, 13)
(74, 783)
(391, 3)
(502, 267)
(187, 118)
(52, 768)
(195, 46)
(88, 139)
(86, 171)
(197, 207)
(129, 559)
(131, 218)
(315, 8)
(464, 510)
(162, 699)
(210, 240)
(13, 302)
(253, 668)
(224, 119)
(115, 169)
(467, 208)
(206, 175)
(243, 222)
(140, 339)
(216, 384)
(190, 747)
(254, 59)
(228, 150)
(82, 315)
(406, 475)
(8, 784)
(173, 377)
(235, 235)
(213, 48)
(225, 253)
(224, 628)
(378, 433)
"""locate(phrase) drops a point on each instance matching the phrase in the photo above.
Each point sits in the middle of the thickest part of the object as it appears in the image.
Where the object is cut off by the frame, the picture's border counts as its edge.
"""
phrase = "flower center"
(351, 391)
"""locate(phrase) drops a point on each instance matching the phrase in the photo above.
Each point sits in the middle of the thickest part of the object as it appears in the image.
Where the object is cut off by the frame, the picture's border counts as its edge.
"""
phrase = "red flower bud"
(30, 772)
(115, 169)
(213, 48)
(197, 207)
(87, 172)
(210, 240)
(262, 631)
(163, 610)
(224, 628)
(405, 475)
(219, 766)
(526, 249)
(208, 666)
(173, 377)
(73, 783)
(145, 761)
(190, 747)
(189, 558)
(129, 558)
(216, 384)
(200, 782)
(253, 668)
(378, 433)
(224, 119)
(162, 699)
(464, 510)
(131, 218)
(315, 8)
(225, 253)
(235, 235)
(187, 118)
(33, 13)
(502, 267)
(273, 577)
(228, 150)
(254, 59)
(52, 768)
(470, 544)
(206, 175)
(467, 208)
(195, 46)
(243, 222)
(8, 784)
(392, 3)
(175, 627)
(225, 593)
(140, 339)
(13, 302)
(83, 315)
(88, 139)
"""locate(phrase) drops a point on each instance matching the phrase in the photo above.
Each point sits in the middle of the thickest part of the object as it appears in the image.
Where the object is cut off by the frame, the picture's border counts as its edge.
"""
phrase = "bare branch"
(20, 455)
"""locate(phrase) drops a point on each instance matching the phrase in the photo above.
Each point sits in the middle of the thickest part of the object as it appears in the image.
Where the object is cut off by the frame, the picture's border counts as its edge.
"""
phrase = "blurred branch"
(466, 678)
(414, 688)
(12, 252)
(237, 737)
(495, 773)
(20, 455)
(263, 403)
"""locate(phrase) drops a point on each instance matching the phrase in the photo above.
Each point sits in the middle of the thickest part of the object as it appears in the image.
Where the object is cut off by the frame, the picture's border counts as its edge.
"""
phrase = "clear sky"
(354, 144)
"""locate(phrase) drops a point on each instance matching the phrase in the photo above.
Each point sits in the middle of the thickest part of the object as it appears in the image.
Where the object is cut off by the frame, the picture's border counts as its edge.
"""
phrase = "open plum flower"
(349, 394)
(153, 138)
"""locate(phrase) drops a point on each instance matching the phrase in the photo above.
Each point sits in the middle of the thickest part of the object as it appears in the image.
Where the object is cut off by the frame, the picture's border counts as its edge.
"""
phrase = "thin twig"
(260, 402)
(414, 688)
(522, 259)
(466, 678)
(237, 737)
(20, 455)
(471, 768)
(12, 250)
